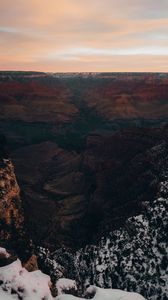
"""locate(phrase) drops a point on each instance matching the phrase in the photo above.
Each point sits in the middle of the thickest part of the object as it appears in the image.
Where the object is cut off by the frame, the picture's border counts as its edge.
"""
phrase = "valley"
(89, 152)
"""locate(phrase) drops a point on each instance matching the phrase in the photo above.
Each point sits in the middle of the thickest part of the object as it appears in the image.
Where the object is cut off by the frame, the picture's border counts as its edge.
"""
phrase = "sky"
(84, 35)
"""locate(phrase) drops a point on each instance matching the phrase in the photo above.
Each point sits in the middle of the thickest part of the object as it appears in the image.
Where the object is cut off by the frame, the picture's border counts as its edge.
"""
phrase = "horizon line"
(87, 72)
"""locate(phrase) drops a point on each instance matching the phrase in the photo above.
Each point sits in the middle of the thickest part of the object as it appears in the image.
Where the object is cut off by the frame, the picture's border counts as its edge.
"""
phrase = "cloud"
(72, 35)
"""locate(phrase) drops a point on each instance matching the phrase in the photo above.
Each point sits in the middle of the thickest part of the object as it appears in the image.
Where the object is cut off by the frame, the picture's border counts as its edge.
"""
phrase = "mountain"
(77, 142)
(90, 158)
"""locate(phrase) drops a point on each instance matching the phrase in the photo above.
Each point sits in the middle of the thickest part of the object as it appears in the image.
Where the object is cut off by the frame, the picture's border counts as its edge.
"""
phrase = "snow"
(4, 252)
(68, 297)
(105, 294)
(132, 258)
(64, 284)
(6, 296)
(18, 283)
(29, 285)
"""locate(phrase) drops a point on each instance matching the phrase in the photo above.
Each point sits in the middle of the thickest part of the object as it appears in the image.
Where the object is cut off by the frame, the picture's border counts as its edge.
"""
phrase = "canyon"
(83, 179)
(77, 143)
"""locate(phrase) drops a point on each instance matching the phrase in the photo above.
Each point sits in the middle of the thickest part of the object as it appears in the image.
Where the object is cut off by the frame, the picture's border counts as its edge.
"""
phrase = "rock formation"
(13, 233)
(11, 217)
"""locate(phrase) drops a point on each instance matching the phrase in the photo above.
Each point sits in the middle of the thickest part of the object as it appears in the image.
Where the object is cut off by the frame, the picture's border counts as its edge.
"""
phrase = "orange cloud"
(90, 35)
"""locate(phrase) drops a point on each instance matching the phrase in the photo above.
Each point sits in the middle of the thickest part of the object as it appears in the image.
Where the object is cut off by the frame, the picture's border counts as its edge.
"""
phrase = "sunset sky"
(84, 35)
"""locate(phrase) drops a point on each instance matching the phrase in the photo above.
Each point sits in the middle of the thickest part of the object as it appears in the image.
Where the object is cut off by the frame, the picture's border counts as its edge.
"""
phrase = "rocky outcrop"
(11, 215)
(31, 265)
(9, 192)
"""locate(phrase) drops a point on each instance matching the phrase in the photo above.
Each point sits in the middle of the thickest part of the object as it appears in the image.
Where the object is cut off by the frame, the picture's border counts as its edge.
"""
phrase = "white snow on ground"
(105, 294)
(6, 296)
(65, 284)
(18, 281)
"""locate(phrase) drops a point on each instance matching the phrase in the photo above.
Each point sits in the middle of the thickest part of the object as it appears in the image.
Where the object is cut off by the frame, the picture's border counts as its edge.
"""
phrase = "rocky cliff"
(11, 214)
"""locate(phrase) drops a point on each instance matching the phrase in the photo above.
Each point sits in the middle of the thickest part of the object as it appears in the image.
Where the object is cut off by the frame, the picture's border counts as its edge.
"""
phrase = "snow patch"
(64, 284)
(17, 282)
(105, 294)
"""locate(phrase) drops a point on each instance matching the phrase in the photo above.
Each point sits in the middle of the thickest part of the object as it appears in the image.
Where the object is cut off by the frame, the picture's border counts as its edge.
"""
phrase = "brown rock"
(31, 265)
(11, 215)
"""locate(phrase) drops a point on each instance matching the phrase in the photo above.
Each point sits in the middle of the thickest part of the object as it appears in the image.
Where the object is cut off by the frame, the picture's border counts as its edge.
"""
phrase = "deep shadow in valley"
(82, 148)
